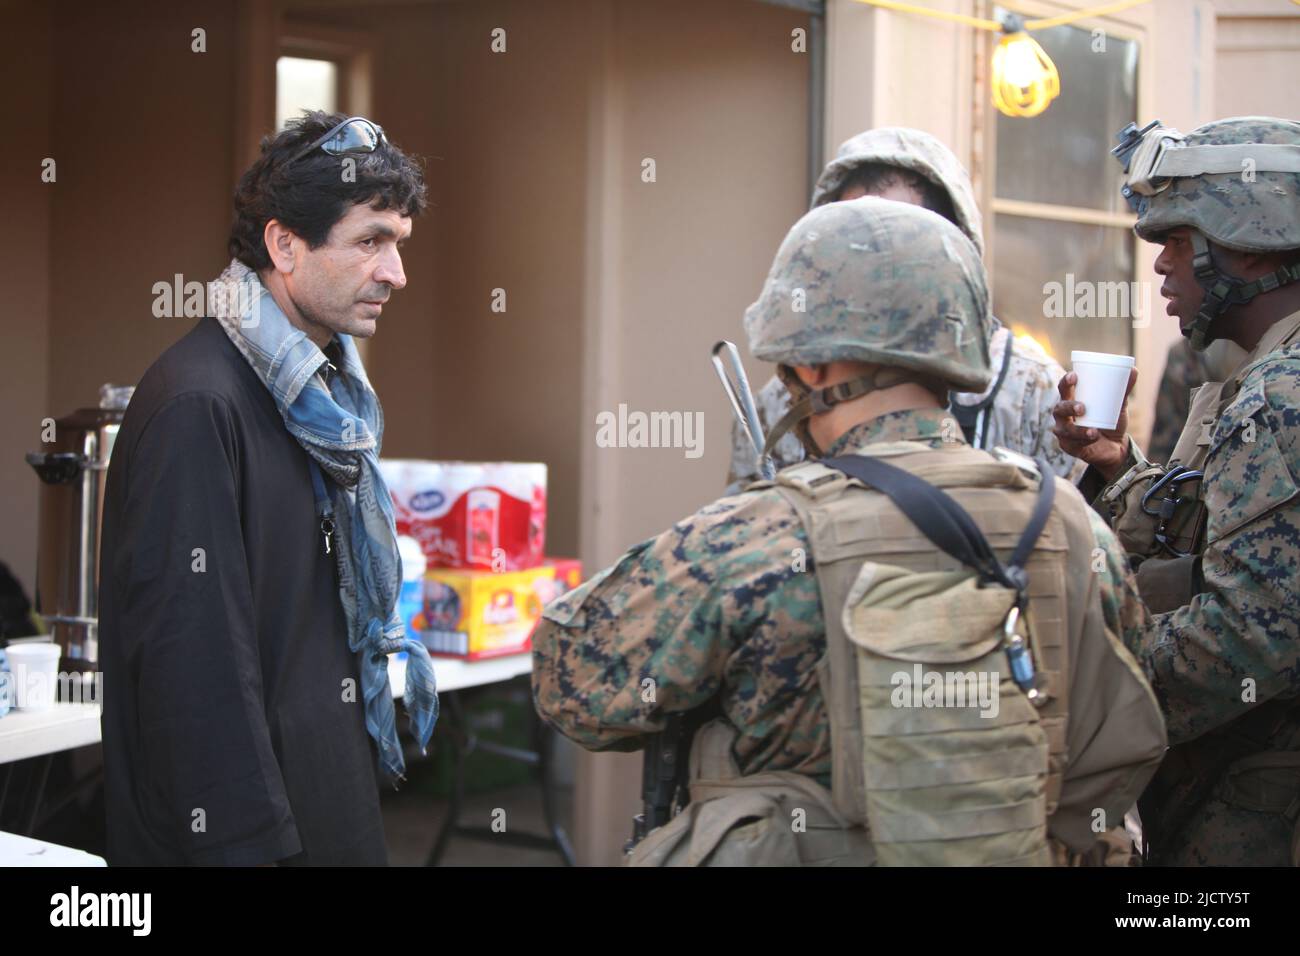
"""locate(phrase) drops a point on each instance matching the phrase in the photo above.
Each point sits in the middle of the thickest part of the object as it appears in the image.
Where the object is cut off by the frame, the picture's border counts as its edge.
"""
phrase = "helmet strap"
(1222, 290)
(815, 401)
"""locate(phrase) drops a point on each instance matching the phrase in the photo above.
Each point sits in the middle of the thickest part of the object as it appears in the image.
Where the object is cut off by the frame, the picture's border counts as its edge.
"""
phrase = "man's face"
(1184, 293)
(1180, 286)
(343, 285)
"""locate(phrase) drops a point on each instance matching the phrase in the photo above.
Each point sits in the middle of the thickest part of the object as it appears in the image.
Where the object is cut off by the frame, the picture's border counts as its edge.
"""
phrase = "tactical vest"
(936, 785)
(1162, 515)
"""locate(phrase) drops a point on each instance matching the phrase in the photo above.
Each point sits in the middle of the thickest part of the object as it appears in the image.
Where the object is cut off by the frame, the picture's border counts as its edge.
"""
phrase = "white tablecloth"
(26, 734)
(24, 851)
(454, 674)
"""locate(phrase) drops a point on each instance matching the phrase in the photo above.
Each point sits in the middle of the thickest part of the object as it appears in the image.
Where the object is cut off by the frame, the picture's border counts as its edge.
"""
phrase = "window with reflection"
(1058, 221)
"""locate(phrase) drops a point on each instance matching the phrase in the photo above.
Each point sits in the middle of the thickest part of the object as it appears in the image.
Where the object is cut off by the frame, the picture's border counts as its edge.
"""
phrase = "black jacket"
(230, 735)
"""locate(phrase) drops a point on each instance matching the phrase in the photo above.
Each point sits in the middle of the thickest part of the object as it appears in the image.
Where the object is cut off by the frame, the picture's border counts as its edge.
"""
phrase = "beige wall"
(712, 92)
(140, 130)
(1258, 62)
(506, 188)
(887, 69)
(25, 97)
(143, 141)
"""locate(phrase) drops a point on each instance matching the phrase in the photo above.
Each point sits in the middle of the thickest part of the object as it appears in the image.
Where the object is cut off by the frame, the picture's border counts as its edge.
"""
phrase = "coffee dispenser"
(73, 470)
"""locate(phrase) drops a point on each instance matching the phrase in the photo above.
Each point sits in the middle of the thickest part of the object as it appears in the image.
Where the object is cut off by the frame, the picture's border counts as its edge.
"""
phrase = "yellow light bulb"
(1025, 80)
(1020, 64)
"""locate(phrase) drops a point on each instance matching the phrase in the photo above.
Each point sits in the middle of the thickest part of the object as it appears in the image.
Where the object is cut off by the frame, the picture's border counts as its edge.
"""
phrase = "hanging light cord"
(1024, 80)
(994, 25)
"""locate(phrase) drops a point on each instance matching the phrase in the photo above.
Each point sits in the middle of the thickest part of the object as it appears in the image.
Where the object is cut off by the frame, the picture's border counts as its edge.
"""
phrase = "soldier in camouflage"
(726, 607)
(1218, 555)
(1015, 410)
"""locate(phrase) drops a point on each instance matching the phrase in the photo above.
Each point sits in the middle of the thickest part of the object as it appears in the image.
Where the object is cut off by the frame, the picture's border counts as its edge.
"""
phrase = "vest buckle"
(1020, 660)
(1166, 507)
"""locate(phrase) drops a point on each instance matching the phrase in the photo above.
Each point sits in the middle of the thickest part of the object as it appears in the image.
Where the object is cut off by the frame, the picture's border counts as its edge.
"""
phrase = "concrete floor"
(411, 823)
(414, 814)
(412, 819)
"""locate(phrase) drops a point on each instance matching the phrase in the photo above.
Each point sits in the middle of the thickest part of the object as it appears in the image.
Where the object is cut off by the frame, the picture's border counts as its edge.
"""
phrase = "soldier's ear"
(813, 376)
(1245, 265)
(1266, 262)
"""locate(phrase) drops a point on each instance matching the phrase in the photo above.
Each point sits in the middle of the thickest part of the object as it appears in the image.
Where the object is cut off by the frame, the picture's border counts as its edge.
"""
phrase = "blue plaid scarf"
(341, 426)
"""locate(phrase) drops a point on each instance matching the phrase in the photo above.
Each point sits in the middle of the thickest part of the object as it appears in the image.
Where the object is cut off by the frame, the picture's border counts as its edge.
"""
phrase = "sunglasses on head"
(356, 134)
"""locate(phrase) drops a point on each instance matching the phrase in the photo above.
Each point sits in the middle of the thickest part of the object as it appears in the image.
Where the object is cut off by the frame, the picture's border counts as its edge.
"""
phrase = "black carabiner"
(1169, 504)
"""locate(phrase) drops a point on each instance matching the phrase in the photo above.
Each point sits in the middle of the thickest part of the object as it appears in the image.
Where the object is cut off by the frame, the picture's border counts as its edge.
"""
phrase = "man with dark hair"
(898, 183)
(249, 562)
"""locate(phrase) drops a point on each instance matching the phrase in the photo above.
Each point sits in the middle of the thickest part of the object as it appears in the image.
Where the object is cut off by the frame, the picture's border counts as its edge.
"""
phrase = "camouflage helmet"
(1234, 182)
(876, 281)
(1247, 206)
(908, 149)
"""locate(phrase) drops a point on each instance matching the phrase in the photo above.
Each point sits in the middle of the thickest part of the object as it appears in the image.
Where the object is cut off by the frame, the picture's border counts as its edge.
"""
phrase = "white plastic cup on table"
(35, 670)
(1102, 385)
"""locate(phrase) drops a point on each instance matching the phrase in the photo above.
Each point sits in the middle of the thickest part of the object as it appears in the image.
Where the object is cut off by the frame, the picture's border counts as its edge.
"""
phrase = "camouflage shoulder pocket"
(1247, 474)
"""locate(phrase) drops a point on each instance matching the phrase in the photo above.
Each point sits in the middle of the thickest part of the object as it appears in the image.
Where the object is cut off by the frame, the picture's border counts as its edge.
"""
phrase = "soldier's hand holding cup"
(1103, 448)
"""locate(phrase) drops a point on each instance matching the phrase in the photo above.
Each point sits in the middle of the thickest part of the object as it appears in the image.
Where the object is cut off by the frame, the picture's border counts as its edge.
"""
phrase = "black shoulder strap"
(946, 523)
(1037, 519)
(968, 415)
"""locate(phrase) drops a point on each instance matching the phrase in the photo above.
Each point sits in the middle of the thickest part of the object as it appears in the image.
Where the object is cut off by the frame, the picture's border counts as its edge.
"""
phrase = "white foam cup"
(1102, 384)
(35, 670)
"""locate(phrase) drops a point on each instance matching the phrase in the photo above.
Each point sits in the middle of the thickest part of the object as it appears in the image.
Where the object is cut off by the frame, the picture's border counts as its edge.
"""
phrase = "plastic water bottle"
(6, 685)
(410, 601)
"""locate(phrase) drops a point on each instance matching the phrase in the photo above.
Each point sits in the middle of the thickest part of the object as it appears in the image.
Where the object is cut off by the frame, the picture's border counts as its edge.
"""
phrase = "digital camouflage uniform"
(726, 604)
(1224, 656)
(715, 604)
(1020, 417)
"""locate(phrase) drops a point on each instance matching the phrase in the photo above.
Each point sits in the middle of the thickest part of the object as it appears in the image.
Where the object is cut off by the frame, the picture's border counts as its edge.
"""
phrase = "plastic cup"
(35, 670)
(1102, 384)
